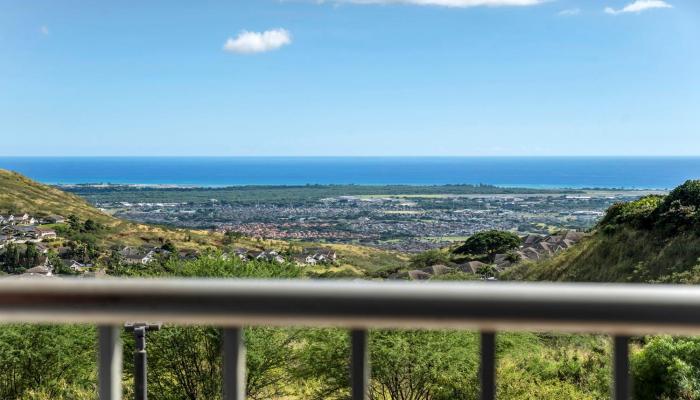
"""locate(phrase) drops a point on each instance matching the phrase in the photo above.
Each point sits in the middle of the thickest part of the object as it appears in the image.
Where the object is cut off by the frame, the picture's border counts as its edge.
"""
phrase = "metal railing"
(618, 310)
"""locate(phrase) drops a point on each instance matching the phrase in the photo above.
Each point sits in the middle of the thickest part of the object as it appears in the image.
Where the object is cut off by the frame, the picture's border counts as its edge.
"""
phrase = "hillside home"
(46, 233)
(131, 255)
(242, 254)
(310, 260)
(28, 232)
(74, 266)
(323, 254)
(39, 270)
(270, 256)
(417, 275)
(472, 267)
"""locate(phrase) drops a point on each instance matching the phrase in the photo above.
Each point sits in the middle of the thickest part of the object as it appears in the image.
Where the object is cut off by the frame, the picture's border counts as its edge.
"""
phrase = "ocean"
(535, 172)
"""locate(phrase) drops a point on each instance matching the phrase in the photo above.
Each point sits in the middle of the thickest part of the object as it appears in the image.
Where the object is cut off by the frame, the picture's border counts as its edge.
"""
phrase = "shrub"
(681, 208)
(687, 194)
(667, 368)
(639, 213)
(428, 258)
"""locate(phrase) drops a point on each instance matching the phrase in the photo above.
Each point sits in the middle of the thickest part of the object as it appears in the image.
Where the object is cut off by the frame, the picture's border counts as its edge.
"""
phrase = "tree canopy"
(489, 243)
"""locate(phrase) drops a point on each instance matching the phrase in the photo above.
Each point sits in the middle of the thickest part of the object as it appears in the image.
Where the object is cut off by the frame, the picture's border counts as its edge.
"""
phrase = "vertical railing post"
(621, 375)
(139, 330)
(140, 364)
(109, 361)
(234, 360)
(359, 364)
(487, 368)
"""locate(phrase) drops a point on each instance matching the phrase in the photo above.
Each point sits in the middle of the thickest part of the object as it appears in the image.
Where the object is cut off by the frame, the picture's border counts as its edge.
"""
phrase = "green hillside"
(653, 239)
(19, 194)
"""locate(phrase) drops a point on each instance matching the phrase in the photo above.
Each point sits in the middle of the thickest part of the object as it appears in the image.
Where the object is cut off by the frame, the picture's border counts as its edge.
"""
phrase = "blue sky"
(389, 77)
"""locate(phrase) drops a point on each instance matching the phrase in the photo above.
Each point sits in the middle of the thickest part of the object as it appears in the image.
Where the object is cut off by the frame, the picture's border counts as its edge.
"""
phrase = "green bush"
(47, 362)
(667, 368)
(681, 208)
(687, 194)
(430, 257)
(639, 213)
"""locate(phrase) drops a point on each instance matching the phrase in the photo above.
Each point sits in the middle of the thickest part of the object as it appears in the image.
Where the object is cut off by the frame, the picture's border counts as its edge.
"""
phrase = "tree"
(489, 243)
(428, 258)
(11, 259)
(31, 256)
(231, 236)
(58, 266)
(74, 222)
(411, 365)
(169, 246)
(90, 226)
(56, 360)
(81, 251)
(185, 363)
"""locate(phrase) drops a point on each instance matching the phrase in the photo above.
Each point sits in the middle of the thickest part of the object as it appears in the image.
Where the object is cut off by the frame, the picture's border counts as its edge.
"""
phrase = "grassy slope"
(20, 194)
(625, 255)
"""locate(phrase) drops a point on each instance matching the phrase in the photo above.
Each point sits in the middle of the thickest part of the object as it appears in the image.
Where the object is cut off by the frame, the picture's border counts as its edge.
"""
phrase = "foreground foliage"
(654, 239)
(185, 363)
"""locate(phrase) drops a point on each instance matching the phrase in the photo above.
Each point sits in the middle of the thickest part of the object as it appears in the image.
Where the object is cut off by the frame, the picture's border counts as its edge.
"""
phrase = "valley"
(409, 219)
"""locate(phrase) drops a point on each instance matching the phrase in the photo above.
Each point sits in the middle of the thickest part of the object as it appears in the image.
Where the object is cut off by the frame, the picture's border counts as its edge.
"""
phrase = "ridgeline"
(655, 239)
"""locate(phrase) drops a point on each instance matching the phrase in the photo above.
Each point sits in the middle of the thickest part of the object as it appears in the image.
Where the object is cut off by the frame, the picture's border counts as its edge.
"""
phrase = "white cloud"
(446, 3)
(570, 12)
(258, 42)
(638, 6)
(44, 30)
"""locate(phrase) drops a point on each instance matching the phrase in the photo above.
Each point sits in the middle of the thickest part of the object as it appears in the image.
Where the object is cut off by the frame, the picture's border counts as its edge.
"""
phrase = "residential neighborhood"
(532, 248)
(28, 242)
(409, 224)
(23, 228)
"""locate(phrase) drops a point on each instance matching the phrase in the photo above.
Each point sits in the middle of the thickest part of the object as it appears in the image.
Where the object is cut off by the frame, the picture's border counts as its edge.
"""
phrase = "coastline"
(532, 173)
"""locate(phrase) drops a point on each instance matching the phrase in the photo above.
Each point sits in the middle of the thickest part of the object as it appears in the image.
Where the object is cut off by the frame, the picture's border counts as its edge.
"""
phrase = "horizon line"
(367, 156)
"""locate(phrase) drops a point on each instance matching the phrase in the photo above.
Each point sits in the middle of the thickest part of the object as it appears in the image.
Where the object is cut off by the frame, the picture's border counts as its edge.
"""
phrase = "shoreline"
(175, 186)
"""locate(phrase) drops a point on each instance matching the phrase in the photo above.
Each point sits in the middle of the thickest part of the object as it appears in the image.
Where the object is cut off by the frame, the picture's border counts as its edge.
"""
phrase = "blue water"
(570, 172)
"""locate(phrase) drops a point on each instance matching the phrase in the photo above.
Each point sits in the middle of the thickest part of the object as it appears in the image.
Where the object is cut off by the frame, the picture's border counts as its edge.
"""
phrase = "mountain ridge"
(653, 239)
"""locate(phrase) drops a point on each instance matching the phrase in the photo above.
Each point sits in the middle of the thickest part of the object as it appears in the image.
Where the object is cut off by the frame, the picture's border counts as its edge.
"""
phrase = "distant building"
(131, 255)
(45, 233)
(40, 270)
(74, 266)
(270, 256)
(472, 267)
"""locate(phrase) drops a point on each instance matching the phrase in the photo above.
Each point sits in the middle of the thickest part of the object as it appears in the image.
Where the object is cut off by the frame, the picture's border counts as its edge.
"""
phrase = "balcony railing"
(618, 310)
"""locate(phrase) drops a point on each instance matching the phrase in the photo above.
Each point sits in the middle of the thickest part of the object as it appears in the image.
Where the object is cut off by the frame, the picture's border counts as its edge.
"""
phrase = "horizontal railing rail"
(632, 309)
(619, 310)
